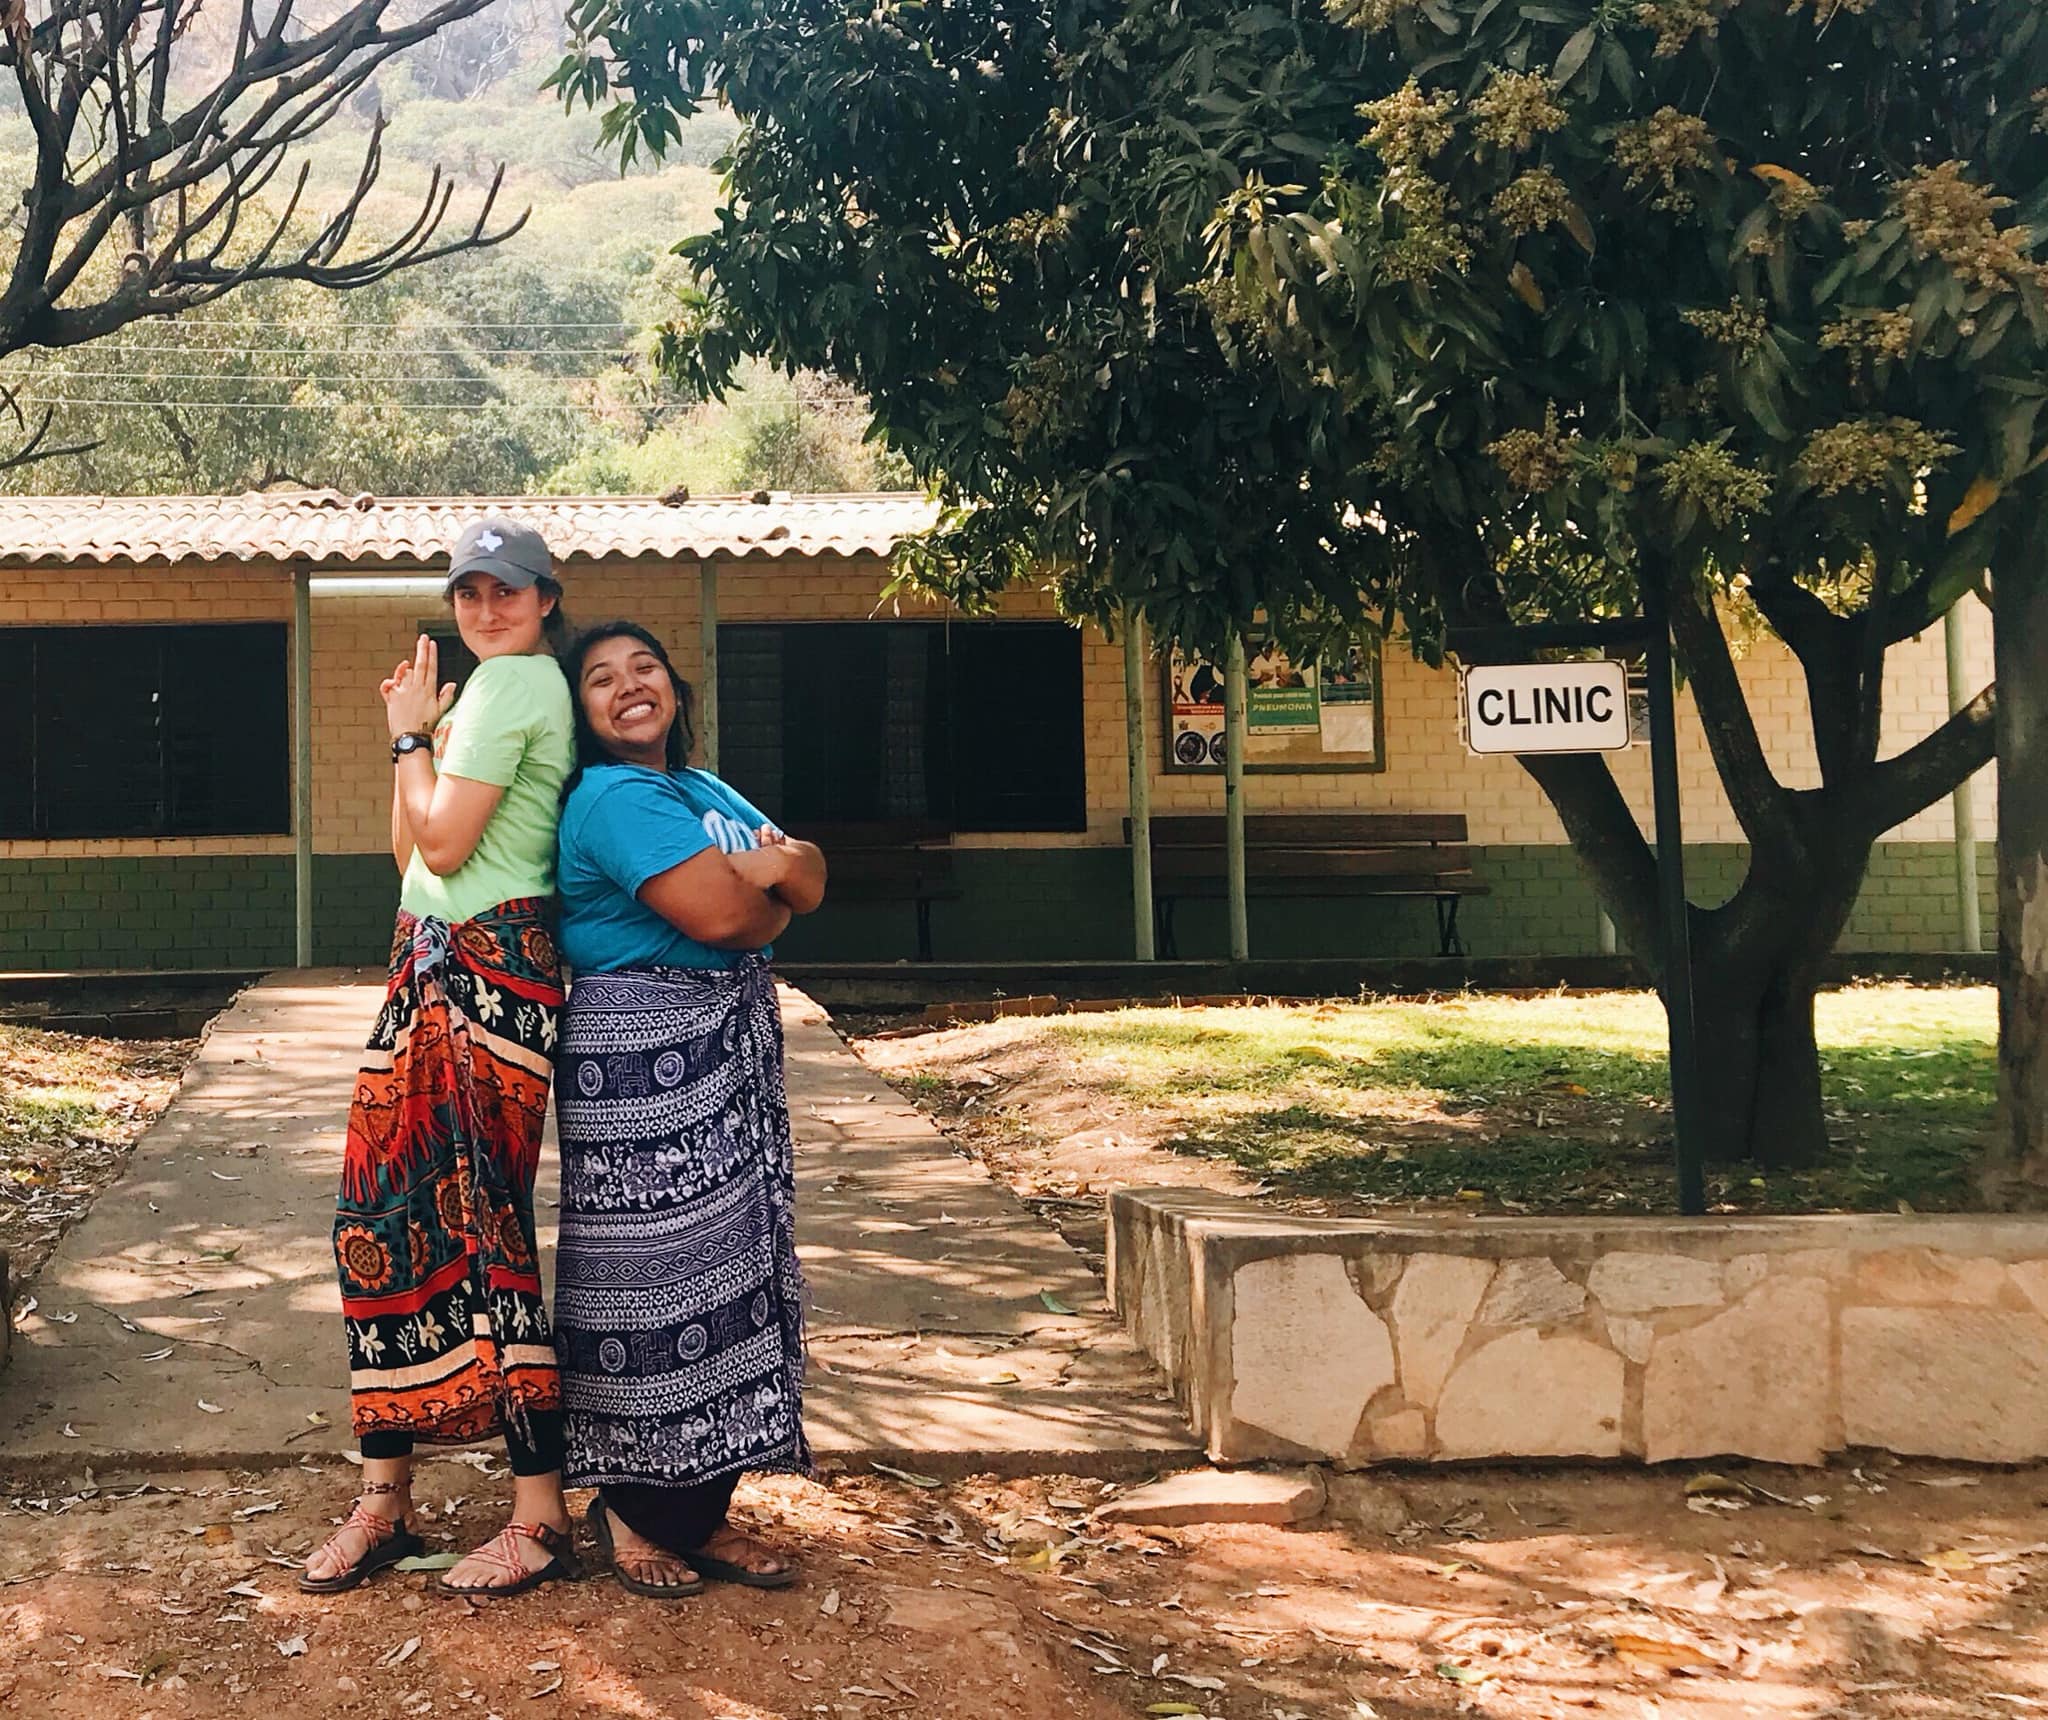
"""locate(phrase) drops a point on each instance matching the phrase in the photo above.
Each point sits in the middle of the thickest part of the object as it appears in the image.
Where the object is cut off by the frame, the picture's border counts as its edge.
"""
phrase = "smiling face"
(629, 698)
(496, 619)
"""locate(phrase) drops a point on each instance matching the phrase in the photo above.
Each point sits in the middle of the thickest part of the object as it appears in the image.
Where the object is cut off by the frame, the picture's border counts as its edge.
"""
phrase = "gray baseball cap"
(502, 548)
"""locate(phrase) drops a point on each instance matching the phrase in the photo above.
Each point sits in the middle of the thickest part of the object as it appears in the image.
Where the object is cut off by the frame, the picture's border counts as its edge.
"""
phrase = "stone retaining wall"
(1775, 1338)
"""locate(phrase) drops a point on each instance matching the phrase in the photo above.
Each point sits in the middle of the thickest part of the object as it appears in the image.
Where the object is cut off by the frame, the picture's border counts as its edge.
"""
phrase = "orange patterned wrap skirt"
(448, 1335)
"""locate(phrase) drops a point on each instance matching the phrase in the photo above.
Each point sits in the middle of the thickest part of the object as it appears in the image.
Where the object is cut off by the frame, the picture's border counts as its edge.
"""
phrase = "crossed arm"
(740, 901)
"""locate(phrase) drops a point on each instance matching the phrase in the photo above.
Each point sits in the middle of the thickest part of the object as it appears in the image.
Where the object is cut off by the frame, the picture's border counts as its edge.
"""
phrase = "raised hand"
(414, 697)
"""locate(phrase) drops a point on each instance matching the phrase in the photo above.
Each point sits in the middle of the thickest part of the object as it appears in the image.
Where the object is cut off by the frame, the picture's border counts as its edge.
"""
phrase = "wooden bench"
(1316, 854)
(898, 860)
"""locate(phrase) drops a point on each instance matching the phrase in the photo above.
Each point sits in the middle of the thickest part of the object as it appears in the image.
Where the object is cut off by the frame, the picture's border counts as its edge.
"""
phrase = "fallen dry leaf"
(1649, 1653)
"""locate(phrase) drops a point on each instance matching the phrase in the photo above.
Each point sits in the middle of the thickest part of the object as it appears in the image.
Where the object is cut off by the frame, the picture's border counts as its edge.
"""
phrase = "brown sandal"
(717, 1570)
(391, 1539)
(674, 1589)
(502, 1550)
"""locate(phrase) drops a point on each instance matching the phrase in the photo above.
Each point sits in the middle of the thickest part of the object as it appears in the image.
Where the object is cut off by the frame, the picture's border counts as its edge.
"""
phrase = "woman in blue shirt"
(679, 1303)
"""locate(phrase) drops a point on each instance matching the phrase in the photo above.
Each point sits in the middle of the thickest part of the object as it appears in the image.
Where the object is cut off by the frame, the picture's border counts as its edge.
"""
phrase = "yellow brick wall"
(356, 640)
(1429, 770)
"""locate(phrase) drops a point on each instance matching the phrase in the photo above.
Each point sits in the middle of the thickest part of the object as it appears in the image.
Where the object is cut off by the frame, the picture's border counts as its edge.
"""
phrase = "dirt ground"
(70, 1110)
(1882, 1593)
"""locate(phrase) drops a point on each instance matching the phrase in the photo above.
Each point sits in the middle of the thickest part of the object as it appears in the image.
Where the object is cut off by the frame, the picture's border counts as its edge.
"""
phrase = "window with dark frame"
(457, 660)
(144, 731)
(972, 726)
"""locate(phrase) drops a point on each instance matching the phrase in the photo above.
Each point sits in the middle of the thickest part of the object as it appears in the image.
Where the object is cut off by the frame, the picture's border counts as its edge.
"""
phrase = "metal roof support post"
(1234, 721)
(1677, 913)
(707, 680)
(1139, 756)
(302, 764)
(1969, 910)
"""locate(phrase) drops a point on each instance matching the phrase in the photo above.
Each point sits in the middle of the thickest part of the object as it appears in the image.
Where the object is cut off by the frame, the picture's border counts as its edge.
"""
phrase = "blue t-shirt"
(624, 824)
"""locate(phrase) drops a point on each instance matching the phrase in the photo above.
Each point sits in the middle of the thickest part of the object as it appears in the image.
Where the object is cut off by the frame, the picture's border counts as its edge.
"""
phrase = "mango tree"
(1443, 311)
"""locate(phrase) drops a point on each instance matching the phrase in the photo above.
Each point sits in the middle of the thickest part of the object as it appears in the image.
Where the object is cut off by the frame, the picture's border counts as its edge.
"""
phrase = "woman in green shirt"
(440, 1280)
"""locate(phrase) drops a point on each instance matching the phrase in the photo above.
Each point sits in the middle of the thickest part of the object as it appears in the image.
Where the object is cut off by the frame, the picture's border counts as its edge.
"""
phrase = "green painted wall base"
(1022, 904)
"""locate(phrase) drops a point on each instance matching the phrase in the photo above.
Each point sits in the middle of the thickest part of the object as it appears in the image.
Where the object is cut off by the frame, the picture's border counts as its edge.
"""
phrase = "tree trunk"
(1759, 1065)
(2021, 634)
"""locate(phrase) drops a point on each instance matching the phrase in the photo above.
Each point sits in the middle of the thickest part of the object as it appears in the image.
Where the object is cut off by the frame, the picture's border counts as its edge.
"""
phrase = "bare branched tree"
(477, 54)
(30, 443)
(166, 173)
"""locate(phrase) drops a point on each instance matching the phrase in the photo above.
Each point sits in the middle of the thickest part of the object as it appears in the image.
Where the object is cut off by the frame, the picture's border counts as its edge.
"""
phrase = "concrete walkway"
(193, 1317)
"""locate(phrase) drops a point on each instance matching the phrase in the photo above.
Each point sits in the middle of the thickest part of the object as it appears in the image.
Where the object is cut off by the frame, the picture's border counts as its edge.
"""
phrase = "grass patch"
(1559, 1104)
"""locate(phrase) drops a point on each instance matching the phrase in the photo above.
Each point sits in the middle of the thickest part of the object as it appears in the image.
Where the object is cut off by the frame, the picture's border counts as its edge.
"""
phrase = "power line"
(327, 377)
(762, 406)
(287, 322)
(358, 351)
(329, 406)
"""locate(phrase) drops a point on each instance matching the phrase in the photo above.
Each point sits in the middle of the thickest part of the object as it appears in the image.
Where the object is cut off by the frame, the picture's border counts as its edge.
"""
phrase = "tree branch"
(1754, 792)
(1910, 782)
(1825, 645)
(202, 165)
(34, 446)
(1610, 844)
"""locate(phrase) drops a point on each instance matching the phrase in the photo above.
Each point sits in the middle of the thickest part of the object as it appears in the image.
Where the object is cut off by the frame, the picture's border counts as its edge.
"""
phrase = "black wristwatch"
(410, 743)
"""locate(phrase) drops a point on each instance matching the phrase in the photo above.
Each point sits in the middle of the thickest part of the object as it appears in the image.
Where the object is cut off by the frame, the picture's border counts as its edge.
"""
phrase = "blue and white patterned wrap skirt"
(678, 1299)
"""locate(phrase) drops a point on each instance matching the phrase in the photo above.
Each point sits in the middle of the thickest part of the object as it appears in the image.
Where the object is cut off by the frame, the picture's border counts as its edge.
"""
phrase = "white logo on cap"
(489, 541)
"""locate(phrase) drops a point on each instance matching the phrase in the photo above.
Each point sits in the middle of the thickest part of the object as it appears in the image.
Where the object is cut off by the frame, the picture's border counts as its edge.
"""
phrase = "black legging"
(542, 1455)
(680, 1519)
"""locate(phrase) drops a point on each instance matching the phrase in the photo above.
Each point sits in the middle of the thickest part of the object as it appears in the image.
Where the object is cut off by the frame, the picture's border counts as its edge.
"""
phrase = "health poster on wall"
(1194, 696)
(1298, 717)
(1280, 694)
(1347, 687)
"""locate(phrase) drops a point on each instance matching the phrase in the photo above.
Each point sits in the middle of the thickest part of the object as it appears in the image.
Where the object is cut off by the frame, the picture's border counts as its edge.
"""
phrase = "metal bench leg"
(1448, 943)
(1162, 929)
(924, 929)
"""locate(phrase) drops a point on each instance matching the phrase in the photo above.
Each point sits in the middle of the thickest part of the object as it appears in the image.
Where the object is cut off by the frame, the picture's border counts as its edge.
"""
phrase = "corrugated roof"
(330, 529)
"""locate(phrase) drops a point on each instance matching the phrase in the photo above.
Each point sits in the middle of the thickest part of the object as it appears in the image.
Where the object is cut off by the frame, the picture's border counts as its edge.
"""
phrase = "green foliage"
(769, 435)
(1591, 301)
(914, 207)
(382, 389)
(1180, 291)
(492, 371)
(522, 367)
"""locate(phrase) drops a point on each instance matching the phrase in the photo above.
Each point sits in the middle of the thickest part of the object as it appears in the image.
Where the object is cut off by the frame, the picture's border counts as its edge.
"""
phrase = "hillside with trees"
(525, 366)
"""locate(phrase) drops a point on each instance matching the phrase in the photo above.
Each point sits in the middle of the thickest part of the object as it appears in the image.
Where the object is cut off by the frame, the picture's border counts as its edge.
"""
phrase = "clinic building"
(194, 770)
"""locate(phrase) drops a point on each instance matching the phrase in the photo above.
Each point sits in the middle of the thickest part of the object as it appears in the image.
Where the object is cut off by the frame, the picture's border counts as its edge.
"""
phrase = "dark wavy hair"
(590, 751)
(554, 626)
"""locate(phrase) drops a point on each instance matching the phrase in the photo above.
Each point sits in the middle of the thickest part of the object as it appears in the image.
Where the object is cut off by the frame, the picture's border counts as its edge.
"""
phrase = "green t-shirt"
(512, 727)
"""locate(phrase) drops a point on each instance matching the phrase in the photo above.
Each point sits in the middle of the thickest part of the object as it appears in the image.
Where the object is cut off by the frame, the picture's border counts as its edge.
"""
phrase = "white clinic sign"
(1547, 708)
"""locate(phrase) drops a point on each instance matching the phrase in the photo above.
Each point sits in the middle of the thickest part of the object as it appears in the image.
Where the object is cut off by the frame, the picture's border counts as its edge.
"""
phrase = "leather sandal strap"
(502, 1551)
(548, 1539)
(380, 1529)
(377, 1529)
